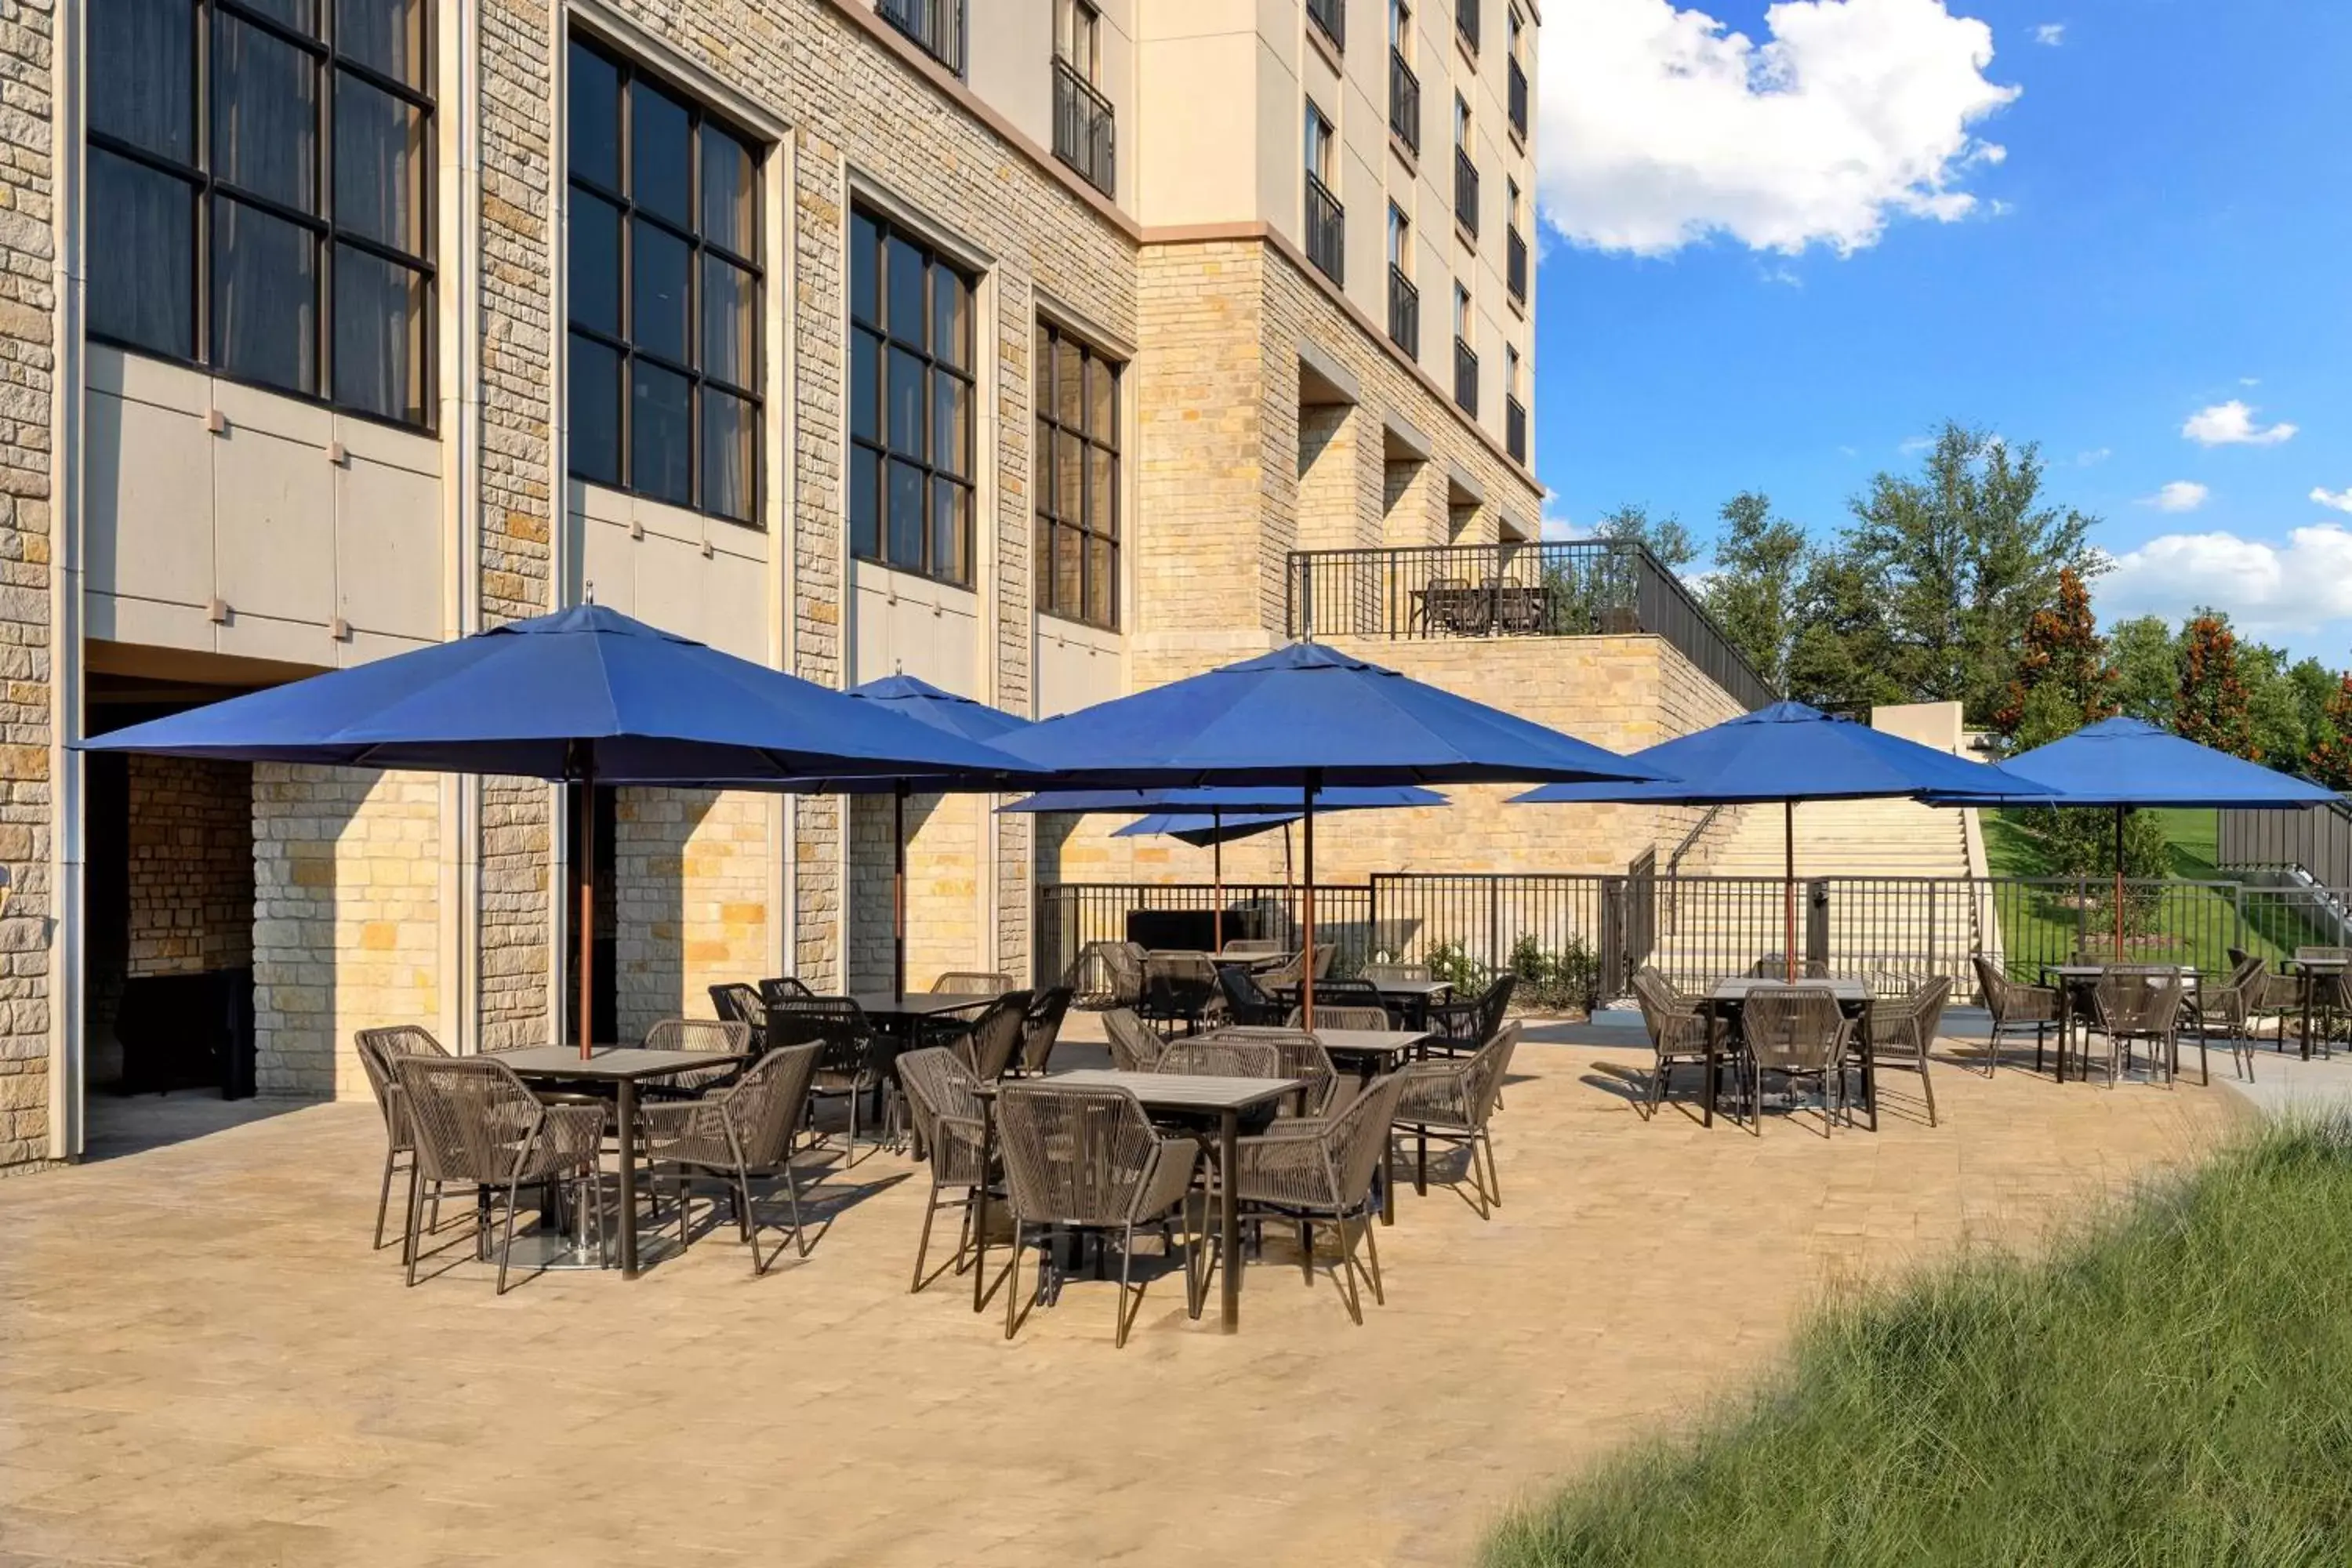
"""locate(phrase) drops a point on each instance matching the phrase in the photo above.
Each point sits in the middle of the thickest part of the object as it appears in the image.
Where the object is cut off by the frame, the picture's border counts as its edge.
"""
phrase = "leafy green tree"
(2063, 680)
(2329, 760)
(2282, 729)
(1966, 553)
(1843, 655)
(1759, 568)
(2211, 705)
(1668, 540)
(2315, 688)
(2147, 667)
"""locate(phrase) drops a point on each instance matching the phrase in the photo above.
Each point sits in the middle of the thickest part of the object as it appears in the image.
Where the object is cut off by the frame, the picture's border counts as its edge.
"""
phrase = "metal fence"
(1071, 914)
(2317, 840)
(1554, 588)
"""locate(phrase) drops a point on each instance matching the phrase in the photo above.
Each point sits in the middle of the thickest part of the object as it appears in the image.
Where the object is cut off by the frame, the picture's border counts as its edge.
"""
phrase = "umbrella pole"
(898, 887)
(1307, 956)
(1217, 876)
(1789, 887)
(2119, 883)
(587, 938)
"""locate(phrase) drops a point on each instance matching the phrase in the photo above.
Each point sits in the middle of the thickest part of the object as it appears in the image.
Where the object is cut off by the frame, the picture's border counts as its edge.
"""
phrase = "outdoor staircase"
(1845, 838)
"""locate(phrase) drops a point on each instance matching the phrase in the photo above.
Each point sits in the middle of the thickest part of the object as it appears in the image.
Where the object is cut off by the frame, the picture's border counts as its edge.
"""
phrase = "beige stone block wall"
(690, 897)
(346, 928)
(945, 853)
(190, 840)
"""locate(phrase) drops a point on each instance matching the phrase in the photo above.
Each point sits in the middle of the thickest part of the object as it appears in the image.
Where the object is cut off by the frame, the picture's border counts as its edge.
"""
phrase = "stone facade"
(690, 885)
(191, 874)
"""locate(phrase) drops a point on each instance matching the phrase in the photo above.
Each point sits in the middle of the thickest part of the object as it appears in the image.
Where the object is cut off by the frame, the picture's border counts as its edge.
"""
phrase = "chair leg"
(1307, 1251)
(1372, 1252)
(923, 1246)
(409, 1248)
(1126, 1255)
(1191, 1260)
(1927, 1087)
(1345, 1277)
(792, 1201)
(1012, 1283)
(1493, 1176)
(506, 1242)
(383, 1195)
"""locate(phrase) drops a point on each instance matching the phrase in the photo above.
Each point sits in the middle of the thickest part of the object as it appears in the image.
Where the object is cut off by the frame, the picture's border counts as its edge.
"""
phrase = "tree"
(2063, 680)
(2329, 760)
(2281, 730)
(1668, 540)
(1843, 655)
(2148, 668)
(2210, 706)
(1760, 562)
(1966, 553)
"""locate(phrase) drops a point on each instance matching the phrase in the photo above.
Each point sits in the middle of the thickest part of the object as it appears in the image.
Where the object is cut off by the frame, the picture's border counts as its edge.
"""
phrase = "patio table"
(2310, 971)
(624, 1067)
(1725, 998)
(1165, 1096)
(2070, 979)
(1411, 997)
(901, 1010)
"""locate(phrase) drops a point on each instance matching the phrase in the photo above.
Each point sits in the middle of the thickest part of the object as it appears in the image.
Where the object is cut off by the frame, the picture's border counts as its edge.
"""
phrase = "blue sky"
(2165, 230)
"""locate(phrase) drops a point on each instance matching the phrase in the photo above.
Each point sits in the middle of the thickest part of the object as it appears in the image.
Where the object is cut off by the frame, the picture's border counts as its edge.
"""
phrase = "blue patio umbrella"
(1309, 717)
(1786, 754)
(2125, 762)
(1212, 817)
(584, 696)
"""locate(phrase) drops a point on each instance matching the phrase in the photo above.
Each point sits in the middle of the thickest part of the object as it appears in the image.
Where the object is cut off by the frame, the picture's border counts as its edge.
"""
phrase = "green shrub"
(1567, 978)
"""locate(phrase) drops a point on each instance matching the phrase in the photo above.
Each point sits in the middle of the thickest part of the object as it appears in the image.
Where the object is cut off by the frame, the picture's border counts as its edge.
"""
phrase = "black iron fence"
(1555, 588)
(1179, 915)
(1405, 311)
(1466, 192)
(1404, 102)
(938, 25)
(1086, 128)
(1326, 231)
(1518, 99)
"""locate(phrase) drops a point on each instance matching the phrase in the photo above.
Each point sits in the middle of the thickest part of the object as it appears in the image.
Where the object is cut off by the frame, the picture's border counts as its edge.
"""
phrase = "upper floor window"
(1320, 138)
(664, 293)
(911, 399)
(1400, 29)
(260, 193)
(1400, 240)
(1078, 39)
(1084, 127)
(1325, 220)
(1076, 461)
(937, 26)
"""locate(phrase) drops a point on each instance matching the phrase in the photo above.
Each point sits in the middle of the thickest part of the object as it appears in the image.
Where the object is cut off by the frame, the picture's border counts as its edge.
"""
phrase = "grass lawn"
(2166, 1388)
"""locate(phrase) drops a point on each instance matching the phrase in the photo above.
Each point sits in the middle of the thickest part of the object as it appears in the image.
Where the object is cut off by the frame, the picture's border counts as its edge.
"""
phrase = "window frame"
(321, 51)
(622, 344)
(1046, 421)
(1321, 135)
(936, 257)
(1068, 32)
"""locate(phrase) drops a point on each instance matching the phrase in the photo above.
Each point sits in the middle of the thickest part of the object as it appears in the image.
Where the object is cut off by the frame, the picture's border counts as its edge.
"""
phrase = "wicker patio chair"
(2235, 1008)
(943, 1103)
(1221, 1057)
(786, 986)
(1798, 1032)
(970, 983)
(990, 1041)
(1678, 1032)
(1775, 966)
(1352, 992)
(1464, 1027)
(1319, 1172)
(2129, 1006)
(477, 1125)
(739, 1003)
(2014, 1005)
(380, 1051)
(1299, 1054)
(1382, 973)
(1135, 1046)
(849, 1068)
(735, 1133)
(719, 1036)
(1453, 1102)
(1089, 1159)
(1246, 1001)
(1180, 988)
(1342, 1017)
(1252, 947)
(1903, 1031)
(1041, 1028)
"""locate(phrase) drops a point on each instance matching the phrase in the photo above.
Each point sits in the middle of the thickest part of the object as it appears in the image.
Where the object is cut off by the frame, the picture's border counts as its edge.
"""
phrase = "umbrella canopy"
(1786, 754)
(1206, 830)
(1275, 802)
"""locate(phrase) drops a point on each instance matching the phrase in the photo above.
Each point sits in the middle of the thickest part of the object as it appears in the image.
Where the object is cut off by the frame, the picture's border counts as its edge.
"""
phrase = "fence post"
(1493, 927)
(2238, 916)
(1613, 954)
(1817, 922)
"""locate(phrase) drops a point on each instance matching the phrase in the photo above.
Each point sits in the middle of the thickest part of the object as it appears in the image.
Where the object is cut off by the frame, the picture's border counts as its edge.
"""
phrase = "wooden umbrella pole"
(587, 939)
(898, 887)
(1217, 879)
(1789, 887)
(1306, 957)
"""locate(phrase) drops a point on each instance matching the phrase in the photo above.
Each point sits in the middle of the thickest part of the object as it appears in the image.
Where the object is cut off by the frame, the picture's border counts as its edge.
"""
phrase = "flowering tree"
(2212, 707)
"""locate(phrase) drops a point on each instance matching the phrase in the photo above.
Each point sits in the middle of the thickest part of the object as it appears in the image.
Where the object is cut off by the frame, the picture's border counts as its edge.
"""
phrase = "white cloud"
(2340, 500)
(2180, 495)
(2268, 588)
(2231, 424)
(1661, 128)
(2049, 35)
(2093, 457)
(1558, 525)
(1912, 446)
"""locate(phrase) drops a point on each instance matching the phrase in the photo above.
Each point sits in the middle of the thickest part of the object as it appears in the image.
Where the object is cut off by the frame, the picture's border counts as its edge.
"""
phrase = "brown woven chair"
(2136, 1005)
(1299, 1055)
(1252, 947)
(988, 1042)
(477, 1125)
(943, 1102)
(1213, 1057)
(1319, 1171)
(1089, 1159)
(1180, 988)
(1678, 1032)
(735, 1133)
(1383, 974)
(1247, 1002)
(1800, 1032)
(2014, 1005)
(717, 1036)
(970, 983)
(783, 987)
(2234, 1008)
(1452, 1102)
(850, 1066)
(1340, 1017)
(1135, 1046)
(740, 1002)
(1903, 1032)
(1464, 1027)
(380, 1050)
(1041, 1028)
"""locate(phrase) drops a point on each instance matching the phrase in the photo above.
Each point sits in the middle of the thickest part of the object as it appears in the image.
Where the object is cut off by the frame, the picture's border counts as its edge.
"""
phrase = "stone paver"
(200, 1362)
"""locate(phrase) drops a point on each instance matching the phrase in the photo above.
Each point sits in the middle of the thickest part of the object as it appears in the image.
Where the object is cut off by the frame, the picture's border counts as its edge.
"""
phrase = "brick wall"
(944, 839)
(346, 932)
(190, 838)
(690, 889)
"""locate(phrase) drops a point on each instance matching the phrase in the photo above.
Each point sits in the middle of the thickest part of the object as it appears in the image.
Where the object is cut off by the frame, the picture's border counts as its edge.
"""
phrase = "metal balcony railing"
(1515, 429)
(1515, 267)
(936, 25)
(1465, 22)
(1085, 130)
(1466, 377)
(1405, 311)
(1519, 99)
(1466, 191)
(1331, 17)
(1326, 232)
(1404, 102)
(1587, 587)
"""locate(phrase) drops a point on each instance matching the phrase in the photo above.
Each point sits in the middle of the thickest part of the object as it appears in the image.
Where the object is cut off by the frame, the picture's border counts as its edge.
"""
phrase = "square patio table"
(2073, 978)
(1725, 998)
(1413, 997)
(900, 1009)
(1186, 1097)
(624, 1067)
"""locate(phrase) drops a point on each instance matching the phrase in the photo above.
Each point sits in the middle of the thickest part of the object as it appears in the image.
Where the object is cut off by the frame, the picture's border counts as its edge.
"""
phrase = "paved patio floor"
(202, 1364)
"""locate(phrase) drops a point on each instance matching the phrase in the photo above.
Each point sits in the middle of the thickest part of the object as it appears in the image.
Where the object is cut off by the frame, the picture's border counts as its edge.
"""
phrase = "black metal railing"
(1326, 231)
(937, 26)
(1466, 191)
(1086, 128)
(1331, 17)
(1465, 22)
(1405, 311)
(1519, 99)
(1514, 265)
(1586, 587)
(1071, 914)
(1404, 102)
(1466, 377)
(1515, 429)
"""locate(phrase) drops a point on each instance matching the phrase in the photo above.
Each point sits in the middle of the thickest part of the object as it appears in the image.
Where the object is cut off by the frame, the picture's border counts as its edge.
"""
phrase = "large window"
(1077, 480)
(260, 191)
(664, 294)
(911, 403)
